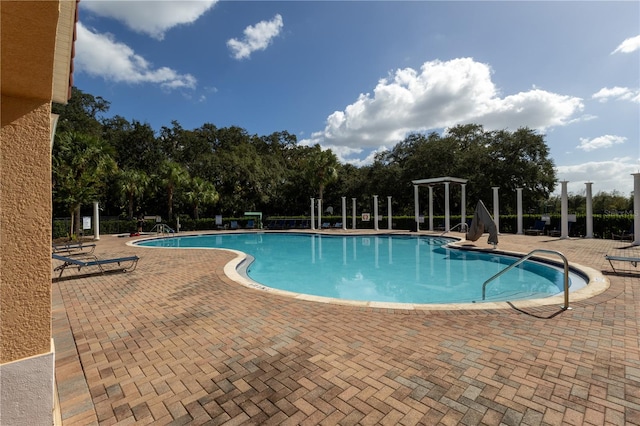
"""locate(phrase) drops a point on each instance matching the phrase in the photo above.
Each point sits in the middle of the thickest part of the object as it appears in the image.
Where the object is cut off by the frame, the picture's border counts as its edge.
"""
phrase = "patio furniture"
(633, 260)
(538, 228)
(132, 262)
(74, 249)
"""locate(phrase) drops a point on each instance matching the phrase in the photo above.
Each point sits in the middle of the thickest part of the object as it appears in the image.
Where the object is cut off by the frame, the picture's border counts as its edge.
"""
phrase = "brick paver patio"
(177, 342)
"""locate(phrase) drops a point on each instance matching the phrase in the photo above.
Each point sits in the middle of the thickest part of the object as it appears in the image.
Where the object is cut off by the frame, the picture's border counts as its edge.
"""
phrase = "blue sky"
(358, 76)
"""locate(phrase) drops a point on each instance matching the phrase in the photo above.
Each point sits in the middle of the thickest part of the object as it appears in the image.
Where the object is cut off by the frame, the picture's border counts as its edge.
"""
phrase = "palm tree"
(321, 168)
(132, 184)
(81, 164)
(201, 192)
(172, 175)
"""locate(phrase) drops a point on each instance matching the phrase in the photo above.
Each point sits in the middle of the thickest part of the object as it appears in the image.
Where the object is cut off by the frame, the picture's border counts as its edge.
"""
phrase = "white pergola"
(446, 181)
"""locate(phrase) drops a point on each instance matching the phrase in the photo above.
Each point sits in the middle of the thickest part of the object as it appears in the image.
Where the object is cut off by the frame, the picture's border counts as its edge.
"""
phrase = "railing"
(162, 228)
(525, 258)
(458, 225)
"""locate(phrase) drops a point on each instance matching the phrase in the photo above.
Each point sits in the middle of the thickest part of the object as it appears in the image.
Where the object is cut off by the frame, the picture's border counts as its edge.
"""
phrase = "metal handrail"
(513, 265)
(460, 225)
(162, 228)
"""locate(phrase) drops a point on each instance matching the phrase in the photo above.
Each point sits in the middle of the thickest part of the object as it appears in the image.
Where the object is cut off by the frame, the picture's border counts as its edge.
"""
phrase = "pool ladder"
(162, 228)
(463, 228)
(531, 253)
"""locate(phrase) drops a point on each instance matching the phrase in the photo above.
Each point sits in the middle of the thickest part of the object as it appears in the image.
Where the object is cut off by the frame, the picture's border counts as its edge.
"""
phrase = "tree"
(132, 184)
(135, 143)
(172, 176)
(81, 113)
(201, 192)
(321, 168)
(81, 164)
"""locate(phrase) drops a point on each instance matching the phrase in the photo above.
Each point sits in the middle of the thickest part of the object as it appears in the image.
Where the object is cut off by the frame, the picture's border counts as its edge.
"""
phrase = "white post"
(431, 208)
(519, 209)
(589, 210)
(496, 208)
(447, 218)
(375, 212)
(313, 213)
(96, 221)
(564, 211)
(319, 213)
(344, 213)
(463, 207)
(636, 209)
(390, 220)
(416, 206)
(353, 213)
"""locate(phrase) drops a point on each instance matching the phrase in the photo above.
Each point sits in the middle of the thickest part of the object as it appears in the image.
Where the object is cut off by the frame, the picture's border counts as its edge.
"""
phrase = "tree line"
(133, 170)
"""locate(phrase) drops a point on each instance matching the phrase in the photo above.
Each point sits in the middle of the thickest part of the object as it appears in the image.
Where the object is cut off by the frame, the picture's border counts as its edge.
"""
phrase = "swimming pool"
(382, 268)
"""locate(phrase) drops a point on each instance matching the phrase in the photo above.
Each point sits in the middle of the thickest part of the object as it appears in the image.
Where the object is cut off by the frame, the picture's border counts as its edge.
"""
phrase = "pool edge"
(597, 284)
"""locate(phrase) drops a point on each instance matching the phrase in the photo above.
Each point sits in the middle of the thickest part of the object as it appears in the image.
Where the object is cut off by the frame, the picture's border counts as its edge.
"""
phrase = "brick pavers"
(177, 342)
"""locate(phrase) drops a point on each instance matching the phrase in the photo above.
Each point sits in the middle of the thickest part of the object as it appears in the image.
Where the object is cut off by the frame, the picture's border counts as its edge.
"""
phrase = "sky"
(359, 76)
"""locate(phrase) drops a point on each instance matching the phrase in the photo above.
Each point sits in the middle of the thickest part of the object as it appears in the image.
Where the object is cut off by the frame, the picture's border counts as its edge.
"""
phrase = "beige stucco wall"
(25, 228)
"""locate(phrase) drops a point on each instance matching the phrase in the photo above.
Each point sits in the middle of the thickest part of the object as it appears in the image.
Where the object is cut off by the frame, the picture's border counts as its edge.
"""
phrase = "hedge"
(603, 225)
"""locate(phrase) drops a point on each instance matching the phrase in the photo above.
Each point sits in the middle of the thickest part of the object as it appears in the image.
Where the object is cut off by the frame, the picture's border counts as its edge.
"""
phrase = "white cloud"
(100, 55)
(607, 176)
(629, 45)
(256, 37)
(617, 93)
(150, 17)
(440, 95)
(604, 141)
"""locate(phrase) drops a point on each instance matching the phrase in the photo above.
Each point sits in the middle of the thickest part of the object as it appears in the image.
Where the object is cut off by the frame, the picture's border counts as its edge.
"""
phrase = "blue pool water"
(400, 269)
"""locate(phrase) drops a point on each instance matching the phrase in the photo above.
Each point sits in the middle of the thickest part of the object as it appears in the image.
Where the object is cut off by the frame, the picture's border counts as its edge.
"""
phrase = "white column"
(431, 208)
(447, 215)
(390, 220)
(319, 213)
(353, 213)
(496, 208)
(96, 221)
(589, 210)
(375, 212)
(636, 209)
(519, 210)
(564, 211)
(416, 206)
(313, 213)
(463, 206)
(344, 213)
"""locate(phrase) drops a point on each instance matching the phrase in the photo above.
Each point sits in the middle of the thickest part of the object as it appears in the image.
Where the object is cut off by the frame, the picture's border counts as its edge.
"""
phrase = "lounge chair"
(326, 225)
(558, 232)
(337, 225)
(626, 235)
(538, 228)
(74, 249)
(290, 224)
(251, 224)
(234, 224)
(633, 260)
(132, 262)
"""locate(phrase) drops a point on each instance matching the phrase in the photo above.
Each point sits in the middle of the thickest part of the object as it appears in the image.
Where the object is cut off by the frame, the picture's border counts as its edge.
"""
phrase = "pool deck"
(178, 342)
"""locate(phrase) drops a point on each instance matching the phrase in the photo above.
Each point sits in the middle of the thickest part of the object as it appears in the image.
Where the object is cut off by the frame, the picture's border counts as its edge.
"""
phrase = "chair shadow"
(87, 275)
(622, 273)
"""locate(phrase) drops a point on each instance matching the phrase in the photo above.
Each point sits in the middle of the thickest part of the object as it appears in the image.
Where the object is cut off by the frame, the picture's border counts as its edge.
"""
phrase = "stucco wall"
(25, 228)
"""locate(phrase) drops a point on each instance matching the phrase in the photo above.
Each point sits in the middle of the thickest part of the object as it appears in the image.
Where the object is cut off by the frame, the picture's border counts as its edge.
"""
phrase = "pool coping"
(235, 270)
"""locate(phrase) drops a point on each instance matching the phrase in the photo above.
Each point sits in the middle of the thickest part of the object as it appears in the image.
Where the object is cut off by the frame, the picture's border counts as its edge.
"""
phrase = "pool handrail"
(525, 258)
(457, 225)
